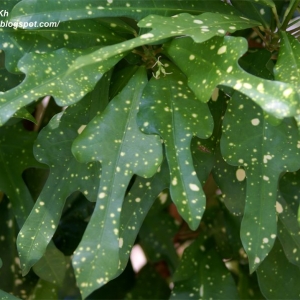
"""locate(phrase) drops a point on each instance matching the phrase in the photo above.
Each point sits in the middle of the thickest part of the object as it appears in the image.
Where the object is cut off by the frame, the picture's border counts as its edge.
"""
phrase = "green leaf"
(56, 260)
(254, 10)
(45, 290)
(10, 273)
(199, 28)
(157, 233)
(15, 156)
(171, 110)
(6, 296)
(123, 151)
(51, 10)
(51, 73)
(149, 285)
(53, 147)
(70, 81)
(263, 152)
(288, 187)
(288, 231)
(9, 80)
(215, 62)
(202, 273)
(277, 277)
(287, 68)
(135, 208)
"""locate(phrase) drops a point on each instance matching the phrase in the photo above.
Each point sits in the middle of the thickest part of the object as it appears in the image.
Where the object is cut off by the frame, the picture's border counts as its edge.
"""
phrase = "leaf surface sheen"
(262, 152)
(53, 147)
(123, 151)
(169, 108)
(68, 75)
(49, 74)
(51, 10)
(215, 62)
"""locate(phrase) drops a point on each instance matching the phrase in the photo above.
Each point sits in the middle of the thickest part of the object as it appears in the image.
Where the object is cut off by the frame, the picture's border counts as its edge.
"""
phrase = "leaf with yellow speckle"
(10, 270)
(15, 156)
(53, 147)
(62, 73)
(288, 230)
(51, 10)
(123, 151)
(6, 296)
(287, 68)
(16, 42)
(156, 236)
(277, 277)
(51, 73)
(135, 207)
(288, 226)
(169, 109)
(202, 274)
(233, 190)
(254, 10)
(263, 151)
(199, 28)
(215, 62)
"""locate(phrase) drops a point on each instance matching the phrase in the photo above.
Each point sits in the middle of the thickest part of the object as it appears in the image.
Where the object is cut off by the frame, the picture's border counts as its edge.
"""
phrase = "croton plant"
(168, 125)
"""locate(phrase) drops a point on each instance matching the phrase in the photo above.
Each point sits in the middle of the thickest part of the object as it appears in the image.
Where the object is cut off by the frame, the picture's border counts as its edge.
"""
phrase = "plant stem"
(289, 15)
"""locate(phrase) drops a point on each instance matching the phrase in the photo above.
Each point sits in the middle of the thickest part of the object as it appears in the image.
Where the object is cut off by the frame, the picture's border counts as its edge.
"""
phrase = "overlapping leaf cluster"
(152, 102)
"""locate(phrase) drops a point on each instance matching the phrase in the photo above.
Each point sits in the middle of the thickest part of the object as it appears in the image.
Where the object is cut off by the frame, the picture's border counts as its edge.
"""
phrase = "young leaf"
(169, 109)
(264, 151)
(215, 62)
(53, 147)
(114, 139)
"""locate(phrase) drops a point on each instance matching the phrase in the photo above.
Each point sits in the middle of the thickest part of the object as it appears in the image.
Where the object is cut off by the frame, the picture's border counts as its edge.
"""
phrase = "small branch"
(260, 35)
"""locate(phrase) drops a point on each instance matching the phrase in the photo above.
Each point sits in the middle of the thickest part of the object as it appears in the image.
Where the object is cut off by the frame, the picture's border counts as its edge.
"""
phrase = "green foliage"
(172, 125)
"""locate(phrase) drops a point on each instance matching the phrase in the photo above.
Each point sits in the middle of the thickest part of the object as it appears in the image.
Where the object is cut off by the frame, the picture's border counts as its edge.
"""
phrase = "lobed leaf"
(215, 62)
(51, 10)
(70, 81)
(169, 109)
(262, 152)
(50, 73)
(53, 147)
(123, 151)
(199, 28)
